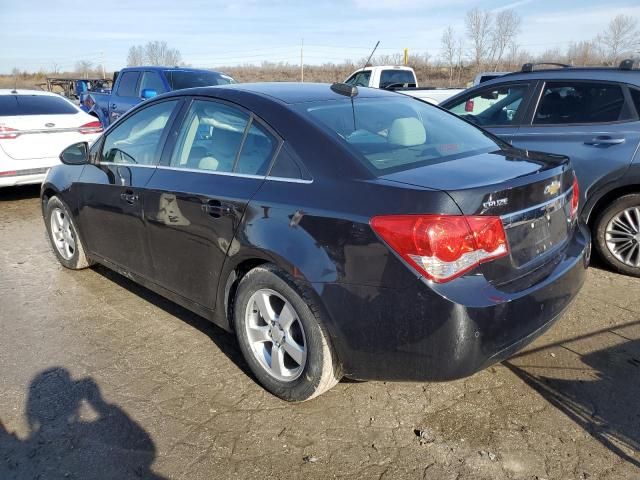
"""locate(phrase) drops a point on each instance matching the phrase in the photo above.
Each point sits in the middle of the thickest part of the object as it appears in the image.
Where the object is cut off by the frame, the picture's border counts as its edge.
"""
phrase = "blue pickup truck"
(133, 85)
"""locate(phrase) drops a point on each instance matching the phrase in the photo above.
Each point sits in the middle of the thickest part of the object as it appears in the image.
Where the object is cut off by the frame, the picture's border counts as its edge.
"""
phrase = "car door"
(592, 122)
(110, 188)
(126, 95)
(497, 108)
(196, 199)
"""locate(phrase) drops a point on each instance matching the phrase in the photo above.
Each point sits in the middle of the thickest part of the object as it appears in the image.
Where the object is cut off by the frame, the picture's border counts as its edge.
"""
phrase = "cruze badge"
(552, 188)
(500, 202)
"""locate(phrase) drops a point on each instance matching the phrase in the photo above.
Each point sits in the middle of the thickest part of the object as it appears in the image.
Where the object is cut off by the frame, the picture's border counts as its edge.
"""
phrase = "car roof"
(572, 73)
(289, 92)
(22, 91)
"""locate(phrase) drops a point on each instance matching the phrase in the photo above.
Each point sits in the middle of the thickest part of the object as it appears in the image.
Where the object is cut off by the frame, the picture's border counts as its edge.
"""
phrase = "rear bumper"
(23, 178)
(442, 332)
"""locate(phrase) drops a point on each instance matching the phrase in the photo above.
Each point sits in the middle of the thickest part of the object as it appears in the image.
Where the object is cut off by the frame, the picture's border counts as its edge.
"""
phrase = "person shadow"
(75, 434)
(604, 403)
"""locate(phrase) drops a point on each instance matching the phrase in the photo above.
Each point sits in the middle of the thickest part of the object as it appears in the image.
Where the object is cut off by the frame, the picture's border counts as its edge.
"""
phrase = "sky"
(38, 34)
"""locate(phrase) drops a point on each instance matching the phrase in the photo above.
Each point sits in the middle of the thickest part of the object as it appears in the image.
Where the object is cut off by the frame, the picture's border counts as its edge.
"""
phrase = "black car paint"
(385, 320)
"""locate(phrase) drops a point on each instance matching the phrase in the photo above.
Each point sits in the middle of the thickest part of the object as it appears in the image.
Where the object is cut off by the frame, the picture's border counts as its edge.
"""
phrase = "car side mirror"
(76, 154)
(490, 95)
(148, 93)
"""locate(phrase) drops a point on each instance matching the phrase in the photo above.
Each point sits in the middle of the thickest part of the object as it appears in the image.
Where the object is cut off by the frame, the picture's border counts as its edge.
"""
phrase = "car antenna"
(369, 59)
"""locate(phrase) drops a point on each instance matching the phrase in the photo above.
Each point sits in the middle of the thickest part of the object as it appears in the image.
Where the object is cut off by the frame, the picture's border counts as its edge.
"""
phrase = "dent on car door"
(593, 123)
(111, 188)
(198, 196)
(498, 108)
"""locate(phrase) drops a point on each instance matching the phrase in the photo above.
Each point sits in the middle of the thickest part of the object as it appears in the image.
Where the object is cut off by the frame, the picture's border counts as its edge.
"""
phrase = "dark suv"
(588, 114)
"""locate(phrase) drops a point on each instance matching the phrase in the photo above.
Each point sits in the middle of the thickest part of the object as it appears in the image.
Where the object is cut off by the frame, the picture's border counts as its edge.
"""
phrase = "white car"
(35, 127)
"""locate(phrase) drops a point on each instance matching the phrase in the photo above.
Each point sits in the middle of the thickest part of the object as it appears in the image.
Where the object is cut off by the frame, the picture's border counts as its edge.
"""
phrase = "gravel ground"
(100, 378)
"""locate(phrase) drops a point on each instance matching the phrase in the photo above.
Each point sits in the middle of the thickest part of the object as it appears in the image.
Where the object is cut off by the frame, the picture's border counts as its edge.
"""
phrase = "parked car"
(399, 79)
(338, 231)
(588, 114)
(35, 126)
(135, 84)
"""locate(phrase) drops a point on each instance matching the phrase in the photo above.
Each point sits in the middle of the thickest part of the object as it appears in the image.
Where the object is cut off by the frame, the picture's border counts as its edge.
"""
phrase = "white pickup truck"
(399, 79)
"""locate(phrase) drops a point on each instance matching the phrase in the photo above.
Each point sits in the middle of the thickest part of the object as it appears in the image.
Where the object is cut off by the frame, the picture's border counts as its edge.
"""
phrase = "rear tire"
(63, 235)
(617, 234)
(282, 336)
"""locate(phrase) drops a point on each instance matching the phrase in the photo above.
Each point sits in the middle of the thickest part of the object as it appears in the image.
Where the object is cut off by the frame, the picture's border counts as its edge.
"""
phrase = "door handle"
(604, 140)
(129, 197)
(216, 209)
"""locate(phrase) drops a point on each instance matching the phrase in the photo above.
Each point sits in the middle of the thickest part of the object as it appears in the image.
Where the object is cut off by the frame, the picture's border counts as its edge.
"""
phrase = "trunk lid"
(42, 136)
(530, 191)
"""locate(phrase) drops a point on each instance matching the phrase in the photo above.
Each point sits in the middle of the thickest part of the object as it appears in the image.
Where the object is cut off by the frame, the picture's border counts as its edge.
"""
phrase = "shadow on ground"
(19, 193)
(75, 433)
(605, 405)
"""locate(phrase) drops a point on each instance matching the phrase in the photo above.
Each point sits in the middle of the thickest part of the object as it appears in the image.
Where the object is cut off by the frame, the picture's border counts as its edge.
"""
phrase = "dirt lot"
(100, 378)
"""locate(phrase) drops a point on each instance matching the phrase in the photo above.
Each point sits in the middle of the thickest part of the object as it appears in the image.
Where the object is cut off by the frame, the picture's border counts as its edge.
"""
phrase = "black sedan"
(338, 232)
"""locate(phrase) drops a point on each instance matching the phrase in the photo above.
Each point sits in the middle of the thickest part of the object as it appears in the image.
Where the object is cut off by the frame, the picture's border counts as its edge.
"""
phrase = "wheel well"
(46, 195)
(607, 199)
(233, 280)
(94, 114)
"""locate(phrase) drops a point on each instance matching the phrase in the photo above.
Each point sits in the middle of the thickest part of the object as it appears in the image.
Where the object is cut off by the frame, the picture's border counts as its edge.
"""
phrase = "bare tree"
(154, 53)
(84, 67)
(583, 53)
(620, 38)
(448, 46)
(478, 24)
(55, 68)
(506, 27)
(135, 58)
(158, 53)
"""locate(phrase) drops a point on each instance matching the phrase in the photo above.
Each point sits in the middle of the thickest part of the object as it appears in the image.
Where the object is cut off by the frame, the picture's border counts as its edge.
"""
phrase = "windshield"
(13, 105)
(179, 79)
(392, 134)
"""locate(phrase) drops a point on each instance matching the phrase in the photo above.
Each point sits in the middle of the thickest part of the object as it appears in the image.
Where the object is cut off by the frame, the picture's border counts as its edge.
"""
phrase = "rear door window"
(128, 83)
(220, 138)
(497, 106)
(14, 105)
(581, 103)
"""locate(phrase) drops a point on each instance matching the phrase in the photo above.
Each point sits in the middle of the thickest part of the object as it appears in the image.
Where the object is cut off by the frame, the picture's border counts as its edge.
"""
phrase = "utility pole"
(302, 61)
(102, 64)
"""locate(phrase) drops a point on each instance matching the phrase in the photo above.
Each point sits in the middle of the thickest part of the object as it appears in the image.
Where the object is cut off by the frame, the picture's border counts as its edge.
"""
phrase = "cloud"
(511, 6)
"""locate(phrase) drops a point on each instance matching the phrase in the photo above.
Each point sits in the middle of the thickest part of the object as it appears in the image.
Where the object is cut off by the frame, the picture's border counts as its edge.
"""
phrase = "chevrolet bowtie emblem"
(552, 188)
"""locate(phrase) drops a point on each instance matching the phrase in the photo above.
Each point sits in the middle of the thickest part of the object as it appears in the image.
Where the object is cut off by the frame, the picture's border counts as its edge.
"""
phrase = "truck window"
(179, 79)
(127, 85)
(152, 81)
(395, 77)
(359, 79)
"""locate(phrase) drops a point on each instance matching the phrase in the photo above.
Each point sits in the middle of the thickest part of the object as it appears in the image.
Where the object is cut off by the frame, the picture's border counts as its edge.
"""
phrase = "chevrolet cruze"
(337, 231)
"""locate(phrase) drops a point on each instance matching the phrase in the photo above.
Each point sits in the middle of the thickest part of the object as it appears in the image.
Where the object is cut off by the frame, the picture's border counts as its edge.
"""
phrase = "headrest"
(407, 132)
(208, 163)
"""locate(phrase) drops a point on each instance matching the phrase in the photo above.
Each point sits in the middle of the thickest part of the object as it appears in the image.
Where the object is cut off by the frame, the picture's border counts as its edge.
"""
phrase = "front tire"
(282, 336)
(63, 235)
(617, 234)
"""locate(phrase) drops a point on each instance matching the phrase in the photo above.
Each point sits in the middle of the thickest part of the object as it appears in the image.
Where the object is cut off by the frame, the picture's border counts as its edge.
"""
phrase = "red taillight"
(91, 127)
(7, 133)
(443, 247)
(468, 106)
(575, 198)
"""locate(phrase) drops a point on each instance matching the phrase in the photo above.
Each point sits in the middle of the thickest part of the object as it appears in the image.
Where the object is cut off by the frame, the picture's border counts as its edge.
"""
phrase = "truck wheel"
(617, 234)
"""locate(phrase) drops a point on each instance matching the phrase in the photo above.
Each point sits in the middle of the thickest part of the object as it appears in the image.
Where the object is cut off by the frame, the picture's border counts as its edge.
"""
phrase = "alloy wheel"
(62, 234)
(622, 236)
(276, 335)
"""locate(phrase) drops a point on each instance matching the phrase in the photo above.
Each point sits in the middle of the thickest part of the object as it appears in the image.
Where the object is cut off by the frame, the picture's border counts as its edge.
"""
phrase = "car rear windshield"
(394, 134)
(396, 77)
(181, 79)
(14, 105)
